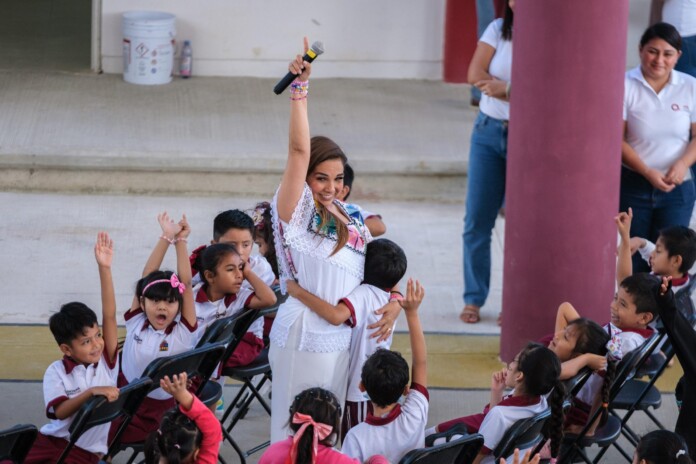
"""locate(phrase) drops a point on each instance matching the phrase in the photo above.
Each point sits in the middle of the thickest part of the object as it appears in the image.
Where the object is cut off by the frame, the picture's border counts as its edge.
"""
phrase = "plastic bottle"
(186, 65)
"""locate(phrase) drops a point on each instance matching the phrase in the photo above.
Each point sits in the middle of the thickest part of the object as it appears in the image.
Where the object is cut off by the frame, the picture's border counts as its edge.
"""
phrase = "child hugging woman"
(161, 322)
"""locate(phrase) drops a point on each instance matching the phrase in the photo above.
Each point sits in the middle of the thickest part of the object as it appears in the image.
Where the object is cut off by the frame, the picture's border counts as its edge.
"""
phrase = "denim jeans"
(485, 14)
(485, 194)
(687, 61)
(654, 209)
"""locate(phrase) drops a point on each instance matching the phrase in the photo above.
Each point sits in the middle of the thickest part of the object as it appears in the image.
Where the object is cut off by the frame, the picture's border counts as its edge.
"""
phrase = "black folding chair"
(16, 442)
(462, 450)
(98, 410)
(523, 434)
(224, 329)
(606, 434)
(200, 362)
(245, 374)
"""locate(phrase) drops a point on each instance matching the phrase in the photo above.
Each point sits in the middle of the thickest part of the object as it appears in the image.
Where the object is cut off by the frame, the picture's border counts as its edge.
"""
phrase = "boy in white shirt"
(393, 430)
(385, 266)
(89, 367)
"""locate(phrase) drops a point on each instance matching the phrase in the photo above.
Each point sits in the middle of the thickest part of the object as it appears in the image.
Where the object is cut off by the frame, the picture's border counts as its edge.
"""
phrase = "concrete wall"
(362, 38)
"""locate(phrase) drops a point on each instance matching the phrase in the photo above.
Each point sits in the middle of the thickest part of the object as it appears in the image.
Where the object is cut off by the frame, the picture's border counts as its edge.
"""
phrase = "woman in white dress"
(320, 243)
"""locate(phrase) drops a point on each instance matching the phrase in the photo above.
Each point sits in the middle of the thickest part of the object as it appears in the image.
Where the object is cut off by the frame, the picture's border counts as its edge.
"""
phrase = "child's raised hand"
(498, 380)
(525, 459)
(111, 393)
(104, 249)
(185, 230)
(414, 296)
(623, 223)
(176, 386)
(169, 227)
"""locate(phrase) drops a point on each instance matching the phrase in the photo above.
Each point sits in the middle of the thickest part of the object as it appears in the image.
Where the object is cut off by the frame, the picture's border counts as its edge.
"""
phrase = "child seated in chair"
(89, 367)
(533, 375)
(385, 266)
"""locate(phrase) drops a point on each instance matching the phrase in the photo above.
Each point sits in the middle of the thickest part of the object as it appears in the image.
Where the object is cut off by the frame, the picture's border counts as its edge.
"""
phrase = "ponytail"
(555, 423)
(177, 438)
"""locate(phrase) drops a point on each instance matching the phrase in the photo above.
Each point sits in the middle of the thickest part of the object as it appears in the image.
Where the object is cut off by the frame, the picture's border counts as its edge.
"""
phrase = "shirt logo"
(72, 392)
(137, 339)
(164, 346)
(675, 107)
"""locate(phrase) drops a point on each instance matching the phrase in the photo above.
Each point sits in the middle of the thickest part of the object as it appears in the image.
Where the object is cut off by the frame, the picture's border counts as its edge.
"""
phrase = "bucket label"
(142, 50)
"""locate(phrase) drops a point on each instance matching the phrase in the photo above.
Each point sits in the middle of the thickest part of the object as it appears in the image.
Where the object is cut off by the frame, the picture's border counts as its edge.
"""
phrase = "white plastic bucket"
(148, 47)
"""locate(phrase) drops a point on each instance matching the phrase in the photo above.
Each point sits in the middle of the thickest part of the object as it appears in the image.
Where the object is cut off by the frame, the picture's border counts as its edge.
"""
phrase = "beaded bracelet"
(182, 239)
(171, 241)
(299, 90)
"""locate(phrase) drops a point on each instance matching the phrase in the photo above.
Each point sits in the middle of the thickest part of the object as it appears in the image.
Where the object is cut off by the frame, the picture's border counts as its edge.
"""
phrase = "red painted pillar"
(460, 40)
(564, 154)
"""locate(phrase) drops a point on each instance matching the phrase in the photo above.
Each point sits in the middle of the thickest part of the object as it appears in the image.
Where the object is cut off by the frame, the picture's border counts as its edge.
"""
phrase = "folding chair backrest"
(632, 361)
(574, 384)
(221, 330)
(459, 451)
(98, 410)
(16, 442)
(199, 362)
(241, 326)
(523, 434)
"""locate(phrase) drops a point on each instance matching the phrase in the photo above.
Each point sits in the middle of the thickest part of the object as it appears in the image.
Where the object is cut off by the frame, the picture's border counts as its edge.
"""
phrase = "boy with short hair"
(235, 227)
(89, 367)
(385, 266)
(393, 430)
(672, 255)
(373, 221)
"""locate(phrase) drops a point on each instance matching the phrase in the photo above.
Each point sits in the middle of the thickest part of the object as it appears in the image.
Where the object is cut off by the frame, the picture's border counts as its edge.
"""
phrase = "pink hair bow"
(174, 281)
(321, 431)
(177, 284)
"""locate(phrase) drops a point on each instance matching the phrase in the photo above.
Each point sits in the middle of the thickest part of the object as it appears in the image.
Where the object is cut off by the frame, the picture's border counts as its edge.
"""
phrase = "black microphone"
(315, 50)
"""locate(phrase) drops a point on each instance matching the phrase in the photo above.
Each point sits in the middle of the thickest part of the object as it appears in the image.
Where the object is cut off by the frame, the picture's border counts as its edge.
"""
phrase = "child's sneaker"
(220, 408)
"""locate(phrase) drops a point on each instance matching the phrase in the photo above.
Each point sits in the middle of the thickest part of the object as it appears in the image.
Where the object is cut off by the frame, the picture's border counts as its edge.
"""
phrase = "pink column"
(564, 155)
(460, 40)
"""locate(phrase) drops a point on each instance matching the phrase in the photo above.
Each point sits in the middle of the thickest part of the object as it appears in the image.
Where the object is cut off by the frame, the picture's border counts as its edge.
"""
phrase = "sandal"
(470, 314)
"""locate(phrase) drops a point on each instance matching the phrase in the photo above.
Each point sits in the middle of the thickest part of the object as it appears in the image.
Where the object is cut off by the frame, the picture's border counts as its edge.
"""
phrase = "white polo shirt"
(144, 344)
(208, 311)
(67, 379)
(401, 431)
(501, 417)
(659, 125)
(362, 302)
(500, 67)
(682, 15)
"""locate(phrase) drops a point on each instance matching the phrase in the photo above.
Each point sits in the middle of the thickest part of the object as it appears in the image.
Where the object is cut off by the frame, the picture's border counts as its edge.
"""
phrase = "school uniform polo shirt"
(67, 379)
(144, 344)
(401, 431)
(208, 311)
(659, 124)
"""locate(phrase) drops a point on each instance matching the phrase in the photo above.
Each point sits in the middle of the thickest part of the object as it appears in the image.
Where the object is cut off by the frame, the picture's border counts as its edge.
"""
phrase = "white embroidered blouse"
(305, 255)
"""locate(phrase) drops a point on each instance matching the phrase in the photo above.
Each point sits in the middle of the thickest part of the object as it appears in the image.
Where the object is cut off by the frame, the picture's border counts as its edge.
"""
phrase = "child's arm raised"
(414, 297)
(624, 265)
(104, 252)
(572, 367)
(293, 181)
(183, 268)
(154, 261)
(264, 296)
(335, 315)
(565, 315)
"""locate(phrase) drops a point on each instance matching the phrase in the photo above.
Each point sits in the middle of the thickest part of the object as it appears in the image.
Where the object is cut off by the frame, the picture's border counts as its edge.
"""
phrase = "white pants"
(295, 371)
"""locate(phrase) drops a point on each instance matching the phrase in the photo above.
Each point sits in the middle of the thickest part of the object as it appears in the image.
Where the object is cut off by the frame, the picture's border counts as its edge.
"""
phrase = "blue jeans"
(485, 195)
(485, 14)
(687, 61)
(653, 209)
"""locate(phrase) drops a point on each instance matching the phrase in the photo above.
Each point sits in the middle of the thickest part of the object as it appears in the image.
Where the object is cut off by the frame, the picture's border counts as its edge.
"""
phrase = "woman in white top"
(489, 70)
(657, 151)
(320, 243)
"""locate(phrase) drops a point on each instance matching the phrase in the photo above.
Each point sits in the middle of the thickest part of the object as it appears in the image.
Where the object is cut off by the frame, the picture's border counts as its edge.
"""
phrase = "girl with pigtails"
(321, 243)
